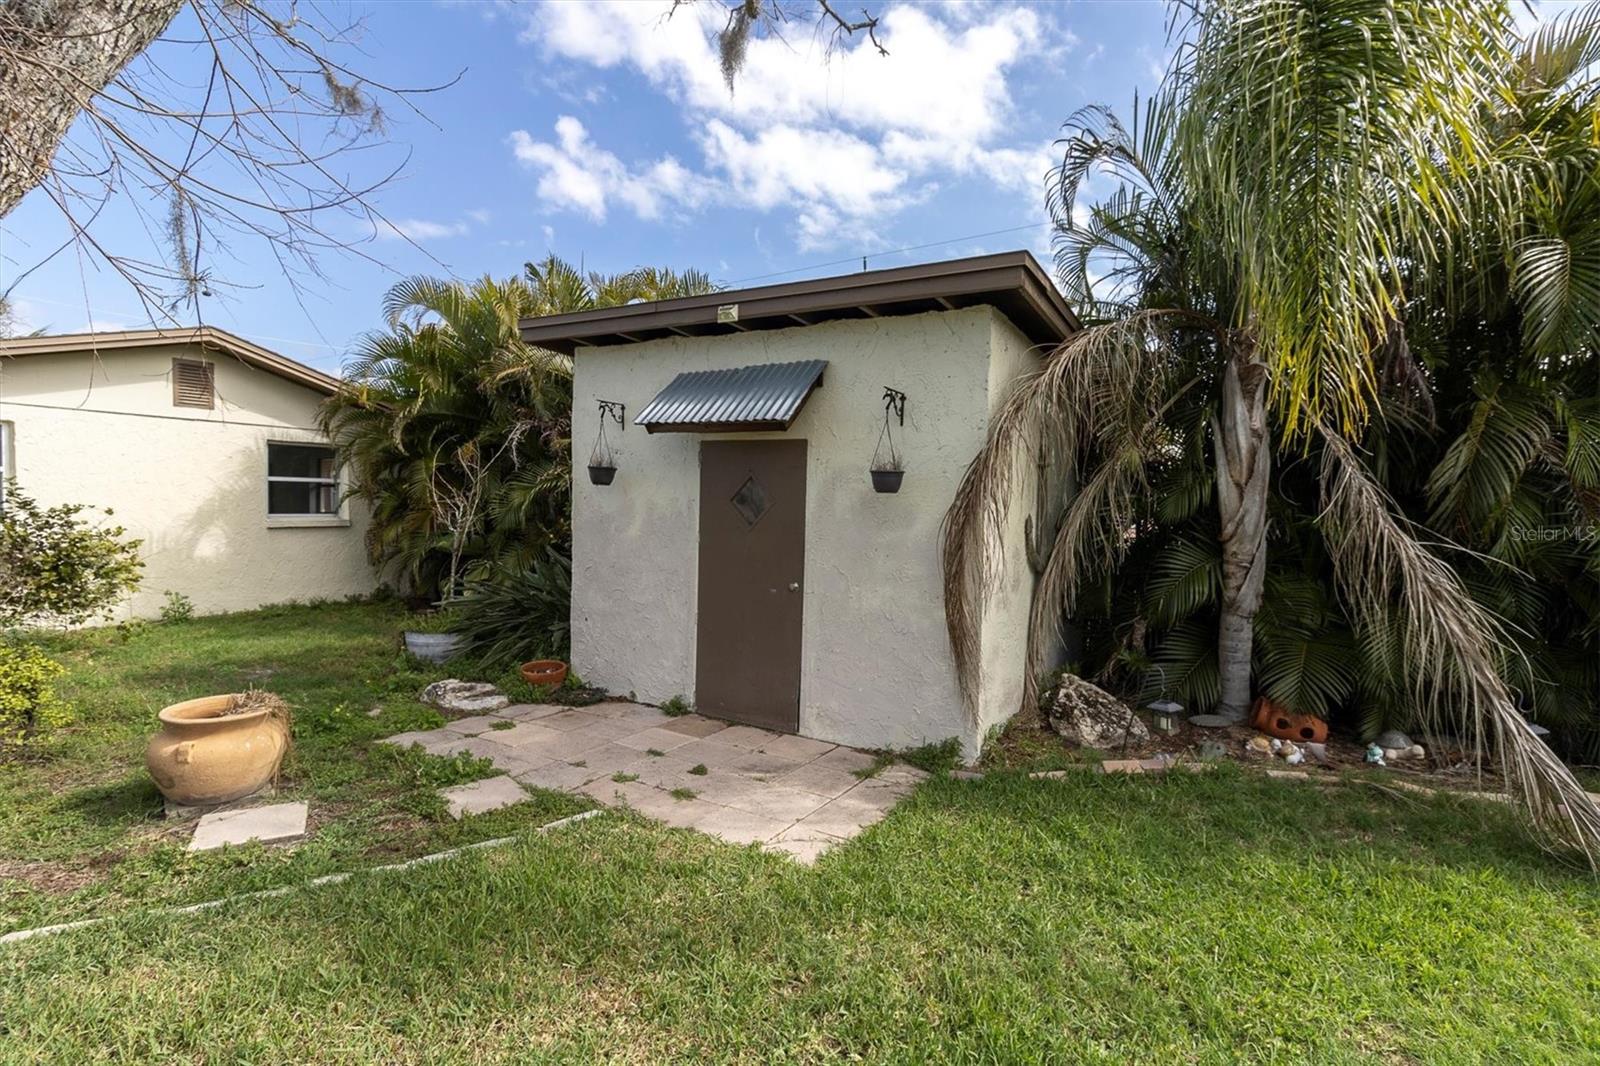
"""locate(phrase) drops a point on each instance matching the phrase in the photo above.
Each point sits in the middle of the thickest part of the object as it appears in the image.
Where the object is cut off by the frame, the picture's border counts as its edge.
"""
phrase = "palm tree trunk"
(1244, 459)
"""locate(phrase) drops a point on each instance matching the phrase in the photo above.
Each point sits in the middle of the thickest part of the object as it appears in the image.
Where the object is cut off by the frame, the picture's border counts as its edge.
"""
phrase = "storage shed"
(734, 545)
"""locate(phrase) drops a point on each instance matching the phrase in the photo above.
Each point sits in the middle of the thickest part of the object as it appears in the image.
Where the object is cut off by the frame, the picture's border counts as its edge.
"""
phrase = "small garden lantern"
(1166, 715)
(602, 462)
(888, 468)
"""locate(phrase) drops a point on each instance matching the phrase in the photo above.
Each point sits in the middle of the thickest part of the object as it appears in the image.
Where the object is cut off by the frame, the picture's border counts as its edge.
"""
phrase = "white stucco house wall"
(205, 447)
(740, 555)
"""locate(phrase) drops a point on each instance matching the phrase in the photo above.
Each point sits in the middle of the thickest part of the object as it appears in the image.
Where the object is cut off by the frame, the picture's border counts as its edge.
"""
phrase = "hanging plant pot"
(887, 480)
(601, 475)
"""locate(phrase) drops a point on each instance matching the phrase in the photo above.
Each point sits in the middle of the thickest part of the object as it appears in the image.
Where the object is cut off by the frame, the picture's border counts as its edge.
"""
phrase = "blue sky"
(604, 133)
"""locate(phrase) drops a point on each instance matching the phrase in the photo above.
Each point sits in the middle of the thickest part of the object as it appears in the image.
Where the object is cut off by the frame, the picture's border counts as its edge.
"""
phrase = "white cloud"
(852, 136)
(417, 229)
(577, 175)
(481, 216)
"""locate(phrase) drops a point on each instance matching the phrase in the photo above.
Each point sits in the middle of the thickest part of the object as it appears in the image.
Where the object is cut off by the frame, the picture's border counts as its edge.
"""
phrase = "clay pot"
(544, 672)
(1275, 721)
(202, 757)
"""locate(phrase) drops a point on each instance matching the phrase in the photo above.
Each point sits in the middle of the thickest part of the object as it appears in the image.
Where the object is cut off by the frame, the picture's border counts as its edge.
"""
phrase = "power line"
(890, 251)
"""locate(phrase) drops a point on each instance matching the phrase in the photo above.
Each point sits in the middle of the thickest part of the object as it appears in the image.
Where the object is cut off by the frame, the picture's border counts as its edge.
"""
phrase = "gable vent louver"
(193, 384)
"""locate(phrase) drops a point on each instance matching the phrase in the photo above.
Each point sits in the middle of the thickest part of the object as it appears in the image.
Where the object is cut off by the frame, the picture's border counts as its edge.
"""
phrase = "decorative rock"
(1417, 751)
(1122, 766)
(374, 712)
(1259, 745)
(1317, 752)
(1091, 717)
(1395, 755)
(1375, 755)
(1212, 751)
(464, 697)
(270, 824)
(1295, 758)
(1392, 738)
(1213, 721)
(1289, 750)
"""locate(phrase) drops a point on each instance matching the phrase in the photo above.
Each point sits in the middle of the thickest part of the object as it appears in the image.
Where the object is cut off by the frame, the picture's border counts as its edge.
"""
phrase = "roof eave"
(1012, 281)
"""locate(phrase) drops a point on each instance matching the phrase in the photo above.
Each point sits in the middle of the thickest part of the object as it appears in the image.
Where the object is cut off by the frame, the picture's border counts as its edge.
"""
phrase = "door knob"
(794, 586)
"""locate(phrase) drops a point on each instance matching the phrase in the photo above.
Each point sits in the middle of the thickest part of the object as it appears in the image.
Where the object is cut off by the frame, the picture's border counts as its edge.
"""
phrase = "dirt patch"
(57, 878)
(1028, 742)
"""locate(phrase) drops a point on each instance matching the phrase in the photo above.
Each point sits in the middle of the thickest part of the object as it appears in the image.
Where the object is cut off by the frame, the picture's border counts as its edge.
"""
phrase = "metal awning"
(766, 397)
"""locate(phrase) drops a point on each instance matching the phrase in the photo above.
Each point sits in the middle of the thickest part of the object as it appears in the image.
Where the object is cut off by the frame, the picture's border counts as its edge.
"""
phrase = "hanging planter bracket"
(615, 409)
(894, 400)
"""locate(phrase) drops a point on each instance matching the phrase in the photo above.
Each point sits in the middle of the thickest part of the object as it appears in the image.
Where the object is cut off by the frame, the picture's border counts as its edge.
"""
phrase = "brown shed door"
(752, 574)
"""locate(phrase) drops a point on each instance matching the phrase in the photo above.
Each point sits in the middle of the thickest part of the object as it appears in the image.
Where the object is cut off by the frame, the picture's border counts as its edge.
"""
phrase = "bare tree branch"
(260, 149)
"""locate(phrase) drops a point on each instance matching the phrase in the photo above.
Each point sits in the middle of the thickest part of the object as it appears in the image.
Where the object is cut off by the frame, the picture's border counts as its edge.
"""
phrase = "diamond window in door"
(751, 500)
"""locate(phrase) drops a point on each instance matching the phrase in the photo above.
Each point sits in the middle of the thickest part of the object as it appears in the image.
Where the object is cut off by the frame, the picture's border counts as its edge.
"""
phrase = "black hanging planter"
(602, 463)
(887, 480)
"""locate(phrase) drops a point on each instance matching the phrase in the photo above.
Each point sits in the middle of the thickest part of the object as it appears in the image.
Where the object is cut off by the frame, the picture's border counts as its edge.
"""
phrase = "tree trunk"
(1244, 459)
(55, 55)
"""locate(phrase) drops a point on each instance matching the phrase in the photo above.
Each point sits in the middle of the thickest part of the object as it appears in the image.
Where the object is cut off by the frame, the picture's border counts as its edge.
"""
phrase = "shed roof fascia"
(1011, 281)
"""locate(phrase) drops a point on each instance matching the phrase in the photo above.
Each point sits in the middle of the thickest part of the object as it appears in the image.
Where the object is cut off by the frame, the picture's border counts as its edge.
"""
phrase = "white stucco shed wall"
(191, 483)
(876, 668)
(1004, 637)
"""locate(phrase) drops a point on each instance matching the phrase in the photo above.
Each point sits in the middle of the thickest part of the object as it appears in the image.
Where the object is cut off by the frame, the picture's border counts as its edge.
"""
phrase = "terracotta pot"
(544, 672)
(1275, 721)
(202, 757)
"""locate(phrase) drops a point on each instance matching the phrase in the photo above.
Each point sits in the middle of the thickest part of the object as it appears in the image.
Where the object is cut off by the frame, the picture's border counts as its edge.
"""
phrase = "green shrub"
(28, 703)
(55, 568)
(519, 614)
(444, 620)
(178, 608)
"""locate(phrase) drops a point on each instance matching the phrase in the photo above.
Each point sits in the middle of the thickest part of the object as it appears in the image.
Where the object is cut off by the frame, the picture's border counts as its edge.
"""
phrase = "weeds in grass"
(935, 759)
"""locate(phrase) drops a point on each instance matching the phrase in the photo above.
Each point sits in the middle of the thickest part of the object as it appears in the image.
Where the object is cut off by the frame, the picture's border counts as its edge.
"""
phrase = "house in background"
(739, 555)
(206, 448)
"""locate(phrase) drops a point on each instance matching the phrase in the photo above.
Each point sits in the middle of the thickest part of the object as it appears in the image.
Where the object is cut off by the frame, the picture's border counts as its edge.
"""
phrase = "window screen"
(301, 480)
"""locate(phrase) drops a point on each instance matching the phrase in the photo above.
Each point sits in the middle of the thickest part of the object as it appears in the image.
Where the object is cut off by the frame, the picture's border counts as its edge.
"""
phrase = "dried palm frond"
(1452, 646)
(1098, 400)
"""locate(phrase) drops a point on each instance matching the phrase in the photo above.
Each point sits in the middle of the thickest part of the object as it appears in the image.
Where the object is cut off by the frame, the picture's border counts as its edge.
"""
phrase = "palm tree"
(1303, 168)
(456, 433)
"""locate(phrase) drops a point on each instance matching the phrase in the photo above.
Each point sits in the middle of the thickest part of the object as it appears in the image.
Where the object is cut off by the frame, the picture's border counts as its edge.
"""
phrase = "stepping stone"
(271, 824)
(1213, 721)
(490, 794)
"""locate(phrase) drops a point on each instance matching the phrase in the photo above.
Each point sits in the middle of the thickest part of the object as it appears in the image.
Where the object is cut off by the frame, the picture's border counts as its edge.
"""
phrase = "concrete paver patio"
(790, 794)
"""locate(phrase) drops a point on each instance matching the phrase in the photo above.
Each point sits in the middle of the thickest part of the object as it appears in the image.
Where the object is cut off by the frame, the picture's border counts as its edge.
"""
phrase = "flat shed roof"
(1013, 282)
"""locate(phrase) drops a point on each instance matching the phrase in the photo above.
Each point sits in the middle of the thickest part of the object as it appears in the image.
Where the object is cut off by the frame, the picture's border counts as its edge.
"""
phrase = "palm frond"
(1453, 647)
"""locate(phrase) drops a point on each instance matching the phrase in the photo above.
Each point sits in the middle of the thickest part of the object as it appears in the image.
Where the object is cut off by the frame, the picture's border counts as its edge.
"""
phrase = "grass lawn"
(80, 823)
(1221, 917)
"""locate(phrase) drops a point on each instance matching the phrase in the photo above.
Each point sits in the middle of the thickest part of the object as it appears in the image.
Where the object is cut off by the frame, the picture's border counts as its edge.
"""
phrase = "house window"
(301, 481)
(193, 384)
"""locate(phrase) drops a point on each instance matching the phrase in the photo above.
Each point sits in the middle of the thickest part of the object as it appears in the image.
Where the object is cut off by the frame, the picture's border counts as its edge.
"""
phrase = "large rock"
(464, 697)
(1088, 715)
